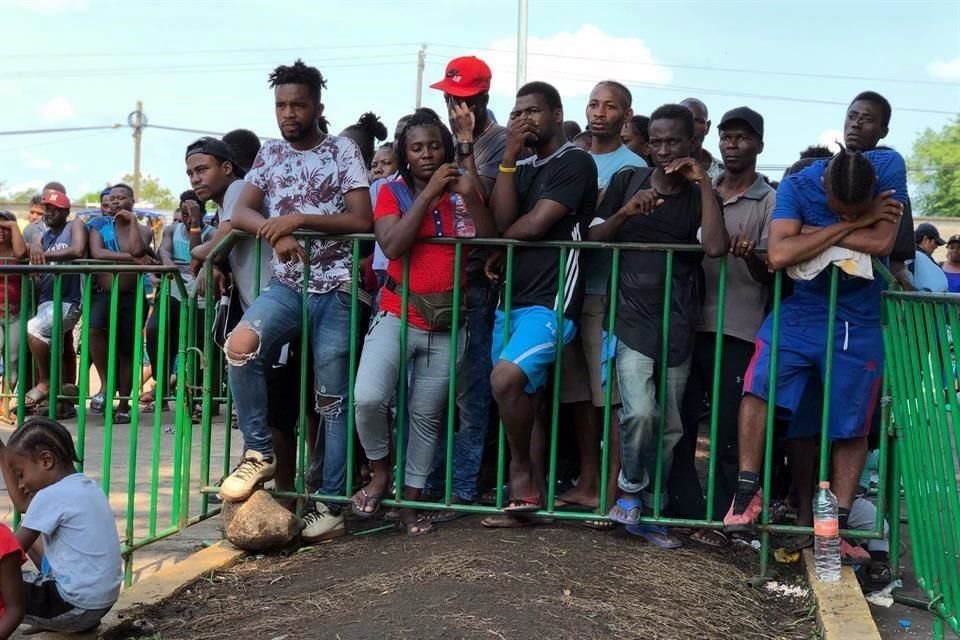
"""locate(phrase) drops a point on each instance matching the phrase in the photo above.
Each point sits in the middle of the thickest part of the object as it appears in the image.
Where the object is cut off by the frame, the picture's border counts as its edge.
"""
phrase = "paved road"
(154, 556)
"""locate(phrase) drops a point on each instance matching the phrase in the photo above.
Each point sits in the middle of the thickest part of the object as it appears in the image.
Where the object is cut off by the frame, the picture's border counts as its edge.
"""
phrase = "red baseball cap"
(465, 77)
(56, 198)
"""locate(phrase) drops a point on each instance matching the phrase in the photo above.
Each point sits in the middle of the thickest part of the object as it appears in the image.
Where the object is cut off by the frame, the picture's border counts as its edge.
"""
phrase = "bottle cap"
(824, 485)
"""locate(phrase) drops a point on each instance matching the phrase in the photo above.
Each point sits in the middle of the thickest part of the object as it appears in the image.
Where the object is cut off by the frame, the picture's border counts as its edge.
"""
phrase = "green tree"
(22, 197)
(936, 168)
(151, 192)
(92, 198)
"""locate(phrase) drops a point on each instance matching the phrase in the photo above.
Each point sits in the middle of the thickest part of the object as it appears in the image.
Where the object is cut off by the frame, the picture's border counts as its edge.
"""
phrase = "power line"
(59, 141)
(199, 52)
(796, 74)
(25, 132)
(192, 69)
(183, 130)
(722, 92)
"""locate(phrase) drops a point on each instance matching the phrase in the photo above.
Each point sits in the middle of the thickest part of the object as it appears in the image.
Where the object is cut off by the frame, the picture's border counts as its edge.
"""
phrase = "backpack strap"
(402, 194)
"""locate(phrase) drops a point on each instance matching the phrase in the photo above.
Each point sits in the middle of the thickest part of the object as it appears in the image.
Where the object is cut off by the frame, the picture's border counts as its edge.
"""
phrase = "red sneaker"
(743, 515)
(853, 553)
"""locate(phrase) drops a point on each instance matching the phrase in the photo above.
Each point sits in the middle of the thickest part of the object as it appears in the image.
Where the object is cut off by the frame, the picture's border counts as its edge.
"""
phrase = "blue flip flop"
(655, 535)
(630, 506)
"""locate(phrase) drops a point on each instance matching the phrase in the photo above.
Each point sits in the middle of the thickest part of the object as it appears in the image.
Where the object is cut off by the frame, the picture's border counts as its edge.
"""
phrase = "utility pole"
(522, 44)
(138, 121)
(421, 63)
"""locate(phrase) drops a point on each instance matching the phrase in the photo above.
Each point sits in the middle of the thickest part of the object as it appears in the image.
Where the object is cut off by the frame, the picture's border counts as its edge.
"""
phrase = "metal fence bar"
(555, 404)
(768, 432)
(452, 385)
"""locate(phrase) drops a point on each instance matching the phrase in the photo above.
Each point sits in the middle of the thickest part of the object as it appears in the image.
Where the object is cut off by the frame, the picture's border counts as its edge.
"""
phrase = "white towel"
(853, 263)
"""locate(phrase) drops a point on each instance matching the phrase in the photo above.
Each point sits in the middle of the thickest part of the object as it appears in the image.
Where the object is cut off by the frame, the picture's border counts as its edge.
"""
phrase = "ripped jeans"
(275, 317)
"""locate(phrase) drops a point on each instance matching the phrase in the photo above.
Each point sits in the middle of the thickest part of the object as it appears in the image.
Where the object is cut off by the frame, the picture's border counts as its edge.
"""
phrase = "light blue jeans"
(275, 316)
(640, 419)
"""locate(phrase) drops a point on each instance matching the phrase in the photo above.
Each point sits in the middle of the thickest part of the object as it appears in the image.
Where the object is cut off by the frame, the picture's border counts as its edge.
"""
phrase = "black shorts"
(46, 608)
(127, 323)
(283, 392)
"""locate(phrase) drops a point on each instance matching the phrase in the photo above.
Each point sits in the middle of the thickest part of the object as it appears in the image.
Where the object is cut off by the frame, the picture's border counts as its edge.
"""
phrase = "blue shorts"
(532, 344)
(802, 359)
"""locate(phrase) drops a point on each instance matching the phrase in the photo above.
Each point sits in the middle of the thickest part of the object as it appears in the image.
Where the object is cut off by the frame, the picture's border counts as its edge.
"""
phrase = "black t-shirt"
(639, 321)
(905, 244)
(569, 177)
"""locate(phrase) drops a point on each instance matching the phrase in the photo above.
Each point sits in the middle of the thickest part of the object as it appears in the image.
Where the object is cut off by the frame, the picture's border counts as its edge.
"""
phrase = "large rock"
(259, 523)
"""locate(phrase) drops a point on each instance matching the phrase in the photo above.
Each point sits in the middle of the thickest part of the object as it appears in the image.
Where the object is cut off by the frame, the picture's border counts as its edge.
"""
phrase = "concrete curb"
(163, 584)
(842, 612)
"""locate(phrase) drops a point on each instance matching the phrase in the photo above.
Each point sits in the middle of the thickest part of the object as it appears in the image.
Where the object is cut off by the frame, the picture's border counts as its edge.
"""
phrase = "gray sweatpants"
(428, 367)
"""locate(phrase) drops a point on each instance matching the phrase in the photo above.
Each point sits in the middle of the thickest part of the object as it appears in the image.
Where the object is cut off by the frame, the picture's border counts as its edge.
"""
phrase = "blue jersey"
(802, 197)
(105, 225)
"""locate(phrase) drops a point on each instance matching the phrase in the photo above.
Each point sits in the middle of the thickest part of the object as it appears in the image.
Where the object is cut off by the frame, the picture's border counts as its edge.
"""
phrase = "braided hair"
(43, 434)
(422, 118)
(850, 177)
(299, 73)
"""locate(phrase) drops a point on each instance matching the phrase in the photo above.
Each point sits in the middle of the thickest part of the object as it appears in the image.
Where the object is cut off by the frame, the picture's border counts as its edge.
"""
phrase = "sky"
(203, 65)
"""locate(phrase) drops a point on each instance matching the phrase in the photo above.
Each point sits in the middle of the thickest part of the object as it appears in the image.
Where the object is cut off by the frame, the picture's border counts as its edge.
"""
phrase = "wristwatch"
(464, 148)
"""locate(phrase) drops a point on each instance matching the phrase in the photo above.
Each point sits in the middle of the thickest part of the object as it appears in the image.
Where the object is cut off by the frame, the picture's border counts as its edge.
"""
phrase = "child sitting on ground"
(11, 583)
(67, 530)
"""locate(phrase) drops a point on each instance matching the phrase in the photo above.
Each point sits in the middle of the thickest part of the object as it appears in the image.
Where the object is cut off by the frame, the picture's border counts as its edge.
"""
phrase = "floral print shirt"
(311, 182)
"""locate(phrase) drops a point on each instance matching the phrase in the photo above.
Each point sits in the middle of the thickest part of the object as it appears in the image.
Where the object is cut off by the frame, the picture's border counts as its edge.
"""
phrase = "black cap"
(753, 119)
(927, 230)
(955, 238)
(212, 147)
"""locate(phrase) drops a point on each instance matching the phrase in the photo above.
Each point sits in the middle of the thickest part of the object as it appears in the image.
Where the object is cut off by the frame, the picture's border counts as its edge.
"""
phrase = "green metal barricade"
(563, 249)
(922, 369)
(149, 483)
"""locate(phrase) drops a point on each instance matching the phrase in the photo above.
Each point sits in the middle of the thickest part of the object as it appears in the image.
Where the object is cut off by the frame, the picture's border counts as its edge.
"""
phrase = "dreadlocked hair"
(43, 434)
(851, 177)
(299, 73)
(422, 118)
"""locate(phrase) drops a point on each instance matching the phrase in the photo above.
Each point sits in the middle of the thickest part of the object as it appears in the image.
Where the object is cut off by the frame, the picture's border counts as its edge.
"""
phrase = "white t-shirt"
(243, 256)
(314, 182)
(80, 541)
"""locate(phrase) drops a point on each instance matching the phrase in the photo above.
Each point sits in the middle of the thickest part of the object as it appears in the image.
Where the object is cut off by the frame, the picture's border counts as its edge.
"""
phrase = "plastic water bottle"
(826, 531)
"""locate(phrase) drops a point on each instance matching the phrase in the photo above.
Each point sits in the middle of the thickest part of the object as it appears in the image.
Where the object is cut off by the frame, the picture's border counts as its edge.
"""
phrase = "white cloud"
(831, 138)
(945, 69)
(627, 60)
(35, 185)
(36, 162)
(47, 6)
(57, 109)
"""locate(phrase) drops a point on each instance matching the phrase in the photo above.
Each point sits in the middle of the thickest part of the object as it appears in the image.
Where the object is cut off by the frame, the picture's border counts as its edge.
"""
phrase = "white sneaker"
(253, 470)
(319, 524)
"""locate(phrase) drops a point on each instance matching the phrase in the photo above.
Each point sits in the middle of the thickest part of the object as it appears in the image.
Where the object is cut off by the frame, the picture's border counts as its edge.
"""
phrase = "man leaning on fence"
(62, 241)
(747, 206)
(669, 205)
(839, 211)
(548, 196)
(308, 181)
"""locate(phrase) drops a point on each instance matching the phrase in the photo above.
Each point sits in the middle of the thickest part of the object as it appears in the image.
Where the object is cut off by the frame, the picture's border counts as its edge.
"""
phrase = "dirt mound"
(558, 582)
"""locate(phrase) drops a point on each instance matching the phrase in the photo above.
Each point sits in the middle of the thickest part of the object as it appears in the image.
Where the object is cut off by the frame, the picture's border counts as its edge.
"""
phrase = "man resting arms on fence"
(853, 201)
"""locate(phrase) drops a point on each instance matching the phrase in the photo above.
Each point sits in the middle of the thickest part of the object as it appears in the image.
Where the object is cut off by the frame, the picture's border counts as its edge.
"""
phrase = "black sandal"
(360, 510)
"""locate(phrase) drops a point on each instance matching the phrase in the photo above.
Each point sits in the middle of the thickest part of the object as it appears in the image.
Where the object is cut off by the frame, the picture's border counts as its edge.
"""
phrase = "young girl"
(11, 583)
(67, 530)
(421, 204)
